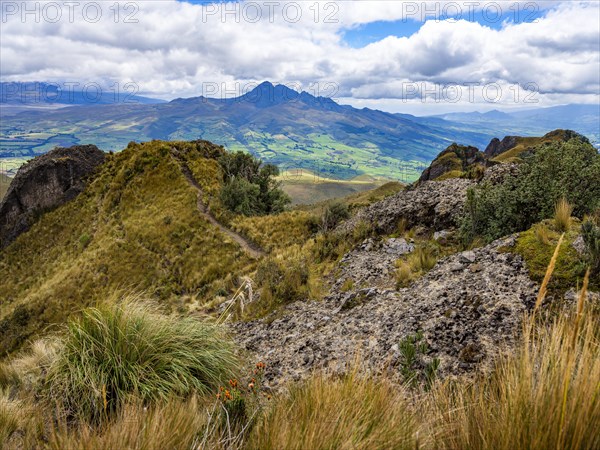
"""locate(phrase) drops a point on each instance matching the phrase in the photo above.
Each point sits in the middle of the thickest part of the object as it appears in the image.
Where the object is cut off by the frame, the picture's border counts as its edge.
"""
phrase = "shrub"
(114, 352)
(591, 237)
(280, 282)
(415, 367)
(562, 215)
(561, 169)
(250, 187)
(570, 267)
(333, 215)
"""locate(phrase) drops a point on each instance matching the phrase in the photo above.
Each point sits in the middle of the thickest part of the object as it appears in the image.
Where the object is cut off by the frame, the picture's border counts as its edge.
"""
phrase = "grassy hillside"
(305, 187)
(136, 228)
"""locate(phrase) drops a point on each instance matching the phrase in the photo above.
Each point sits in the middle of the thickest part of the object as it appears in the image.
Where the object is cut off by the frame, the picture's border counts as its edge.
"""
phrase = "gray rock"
(466, 320)
(467, 257)
(579, 245)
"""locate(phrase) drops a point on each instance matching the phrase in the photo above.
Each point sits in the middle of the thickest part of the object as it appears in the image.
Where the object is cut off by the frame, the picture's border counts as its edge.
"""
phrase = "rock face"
(468, 307)
(497, 146)
(44, 183)
(456, 158)
(432, 204)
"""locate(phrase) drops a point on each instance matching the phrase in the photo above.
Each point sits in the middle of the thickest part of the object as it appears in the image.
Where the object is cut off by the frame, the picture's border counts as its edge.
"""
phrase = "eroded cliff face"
(45, 183)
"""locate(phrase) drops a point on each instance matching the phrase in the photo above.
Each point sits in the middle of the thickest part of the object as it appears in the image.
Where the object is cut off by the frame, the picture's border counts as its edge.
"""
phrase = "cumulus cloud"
(172, 49)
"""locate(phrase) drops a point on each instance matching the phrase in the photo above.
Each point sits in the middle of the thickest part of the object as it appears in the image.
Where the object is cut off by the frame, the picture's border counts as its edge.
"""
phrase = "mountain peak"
(267, 94)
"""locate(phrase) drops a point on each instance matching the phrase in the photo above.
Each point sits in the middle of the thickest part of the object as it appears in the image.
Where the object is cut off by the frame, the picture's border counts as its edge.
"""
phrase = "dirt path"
(253, 250)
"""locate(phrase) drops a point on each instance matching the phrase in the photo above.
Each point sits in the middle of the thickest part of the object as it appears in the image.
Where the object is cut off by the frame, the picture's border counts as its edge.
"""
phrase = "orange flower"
(251, 386)
(233, 383)
(218, 396)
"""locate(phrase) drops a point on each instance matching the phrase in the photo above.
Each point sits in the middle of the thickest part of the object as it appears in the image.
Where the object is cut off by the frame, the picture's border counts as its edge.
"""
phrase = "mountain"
(294, 130)
(584, 119)
(281, 126)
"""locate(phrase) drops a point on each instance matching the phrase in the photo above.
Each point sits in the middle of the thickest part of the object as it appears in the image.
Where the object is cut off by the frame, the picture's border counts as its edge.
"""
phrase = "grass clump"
(562, 215)
(114, 352)
(326, 413)
(417, 263)
(281, 281)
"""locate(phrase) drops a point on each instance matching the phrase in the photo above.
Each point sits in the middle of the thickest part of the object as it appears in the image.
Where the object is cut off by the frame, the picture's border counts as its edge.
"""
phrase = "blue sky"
(398, 56)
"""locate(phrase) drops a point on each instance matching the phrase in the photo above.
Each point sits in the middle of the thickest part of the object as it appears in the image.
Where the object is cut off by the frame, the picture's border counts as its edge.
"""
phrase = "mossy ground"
(537, 246)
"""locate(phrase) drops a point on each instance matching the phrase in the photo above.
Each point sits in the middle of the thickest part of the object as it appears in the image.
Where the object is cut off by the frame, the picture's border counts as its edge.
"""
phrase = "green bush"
(115, 352)
(333, 215)
(250, 187)
(561, 169)
(591, 237)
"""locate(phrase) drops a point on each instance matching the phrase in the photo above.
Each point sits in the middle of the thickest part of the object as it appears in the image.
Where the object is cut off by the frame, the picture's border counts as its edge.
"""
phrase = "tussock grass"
(562, 215)
(11, 414)
(341, 413)
(114, 352)
(419, 262)
(546, 396)
(176, 424)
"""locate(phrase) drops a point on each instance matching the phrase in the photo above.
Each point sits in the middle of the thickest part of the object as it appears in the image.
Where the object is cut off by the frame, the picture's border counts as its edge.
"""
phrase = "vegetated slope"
(135, 228)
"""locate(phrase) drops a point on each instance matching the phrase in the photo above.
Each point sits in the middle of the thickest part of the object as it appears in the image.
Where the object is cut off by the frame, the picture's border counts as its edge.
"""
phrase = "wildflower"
(251, 386)
(218, 396)
(233, 383)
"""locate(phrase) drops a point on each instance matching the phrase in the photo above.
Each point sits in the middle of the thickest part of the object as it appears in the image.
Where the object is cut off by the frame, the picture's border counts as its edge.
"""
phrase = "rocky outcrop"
(453, 160)
(432, 204)
(497, 146)
(469, 307)
(44, 183)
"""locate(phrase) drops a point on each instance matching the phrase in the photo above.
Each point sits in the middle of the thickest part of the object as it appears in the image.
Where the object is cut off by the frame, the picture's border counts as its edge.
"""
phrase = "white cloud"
(175, 47)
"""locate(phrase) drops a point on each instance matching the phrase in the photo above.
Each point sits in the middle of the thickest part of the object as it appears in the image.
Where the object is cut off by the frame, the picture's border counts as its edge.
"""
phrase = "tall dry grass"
(352, 412)
(544, 396)
(562, 215)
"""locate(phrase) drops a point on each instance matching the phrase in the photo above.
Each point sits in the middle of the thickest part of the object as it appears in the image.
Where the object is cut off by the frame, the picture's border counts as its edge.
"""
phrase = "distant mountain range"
(32, 94)
(284, 127)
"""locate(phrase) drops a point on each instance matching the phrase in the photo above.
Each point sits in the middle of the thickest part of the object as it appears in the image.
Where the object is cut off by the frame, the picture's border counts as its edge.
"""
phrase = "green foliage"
(333, 215)
(415, 366)
(250, 187)
(114, 352)
(591, 236)
(555, 170)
